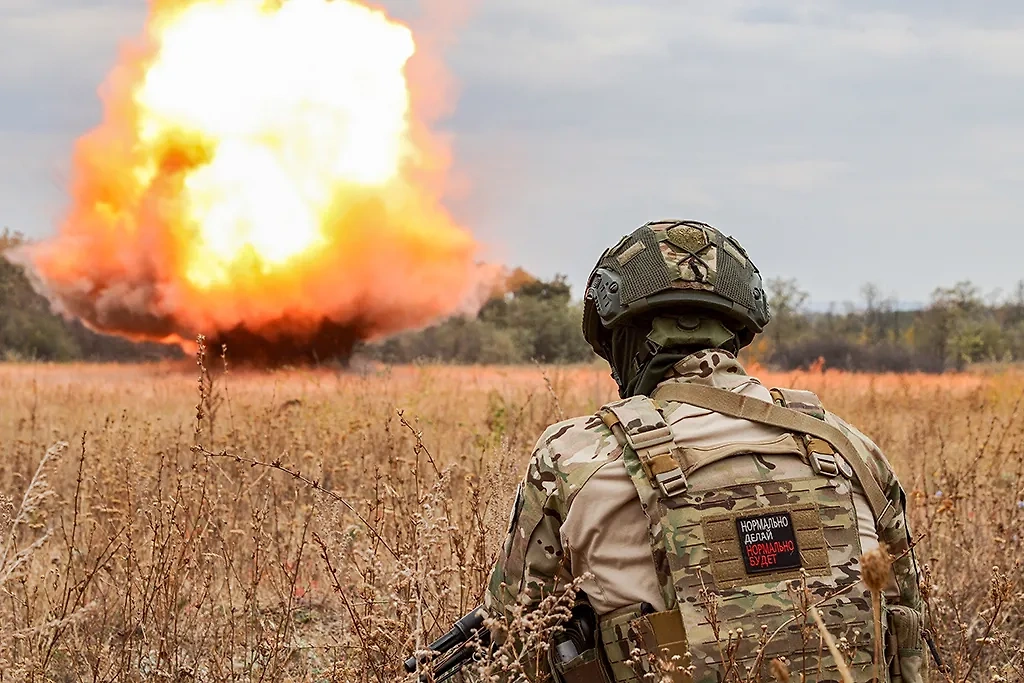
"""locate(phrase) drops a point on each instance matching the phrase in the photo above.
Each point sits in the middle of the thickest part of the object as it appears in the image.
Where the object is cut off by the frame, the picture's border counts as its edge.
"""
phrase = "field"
(163, 523)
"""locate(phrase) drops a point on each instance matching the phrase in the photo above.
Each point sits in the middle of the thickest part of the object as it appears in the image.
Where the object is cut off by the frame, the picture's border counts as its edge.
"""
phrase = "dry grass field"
(127, 554)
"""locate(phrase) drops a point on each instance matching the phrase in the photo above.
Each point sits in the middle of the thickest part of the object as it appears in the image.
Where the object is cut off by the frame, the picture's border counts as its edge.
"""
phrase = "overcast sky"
(841, 142)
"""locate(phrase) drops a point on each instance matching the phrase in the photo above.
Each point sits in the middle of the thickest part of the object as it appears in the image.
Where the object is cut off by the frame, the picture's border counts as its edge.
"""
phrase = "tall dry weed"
(320, 525)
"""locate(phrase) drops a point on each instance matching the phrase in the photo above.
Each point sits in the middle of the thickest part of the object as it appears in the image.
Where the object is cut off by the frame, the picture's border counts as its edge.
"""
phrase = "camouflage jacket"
(577, 515)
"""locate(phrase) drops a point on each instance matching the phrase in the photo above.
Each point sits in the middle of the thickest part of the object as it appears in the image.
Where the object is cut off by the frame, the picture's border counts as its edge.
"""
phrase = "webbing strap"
(647, 443)
(747, 408)
(644, 429)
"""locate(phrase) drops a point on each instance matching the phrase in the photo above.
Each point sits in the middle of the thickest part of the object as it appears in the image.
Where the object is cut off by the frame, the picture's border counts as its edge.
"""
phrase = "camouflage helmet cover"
(670, 264)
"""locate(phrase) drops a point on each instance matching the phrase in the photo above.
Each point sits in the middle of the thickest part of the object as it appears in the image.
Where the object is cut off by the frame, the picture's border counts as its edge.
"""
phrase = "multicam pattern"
(691, 264)
(674, 264)
(534, 564)
(713, 368)
(626, 631)
(756, 603)
(896, 534)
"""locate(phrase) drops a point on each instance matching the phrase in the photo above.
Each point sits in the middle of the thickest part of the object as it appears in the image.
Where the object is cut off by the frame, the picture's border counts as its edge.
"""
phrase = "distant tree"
(527, 319)
(10, 239)
(1015, 305)
(881, 317)
(536, 321)
(788, 302)
(555, 291)
(28, 329)
(950, 324)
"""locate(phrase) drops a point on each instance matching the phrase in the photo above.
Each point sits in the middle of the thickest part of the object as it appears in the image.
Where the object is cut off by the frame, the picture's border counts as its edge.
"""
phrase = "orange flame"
(261, 167)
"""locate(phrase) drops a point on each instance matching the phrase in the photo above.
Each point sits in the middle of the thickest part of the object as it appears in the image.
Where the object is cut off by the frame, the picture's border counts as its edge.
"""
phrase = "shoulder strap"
(644, 430)
(756, 410)
(820, 454)
(647, 446)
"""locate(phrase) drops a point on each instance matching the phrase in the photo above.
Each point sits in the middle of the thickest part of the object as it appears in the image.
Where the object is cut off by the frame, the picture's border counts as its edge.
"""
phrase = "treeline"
(960, 326)
(529, 320)
(532, 320)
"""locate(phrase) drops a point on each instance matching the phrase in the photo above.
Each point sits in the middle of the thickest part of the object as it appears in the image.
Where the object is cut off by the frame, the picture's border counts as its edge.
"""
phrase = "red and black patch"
(768, 542)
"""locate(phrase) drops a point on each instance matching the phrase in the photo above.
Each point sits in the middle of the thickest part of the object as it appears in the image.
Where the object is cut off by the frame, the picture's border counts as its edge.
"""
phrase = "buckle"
(883, 516)
(671, 483)
(844, 467)
(650, 438)
(824, 464)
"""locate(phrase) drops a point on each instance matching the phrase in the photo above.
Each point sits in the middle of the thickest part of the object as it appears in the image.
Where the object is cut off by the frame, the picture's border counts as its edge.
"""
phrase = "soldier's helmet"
(674, 267)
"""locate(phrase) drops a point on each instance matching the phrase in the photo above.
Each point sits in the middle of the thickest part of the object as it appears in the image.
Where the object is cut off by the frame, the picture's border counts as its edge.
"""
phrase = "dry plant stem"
(836, 593)
(709, 601)
(177, 566)
(999, 595)
(36, 495)
(313, 484)
(69, 543)
(830, 643)
(419, 447)
(357, 622)
(554, 396)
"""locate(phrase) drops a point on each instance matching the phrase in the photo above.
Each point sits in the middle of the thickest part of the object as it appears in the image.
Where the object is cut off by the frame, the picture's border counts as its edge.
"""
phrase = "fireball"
(260, 170)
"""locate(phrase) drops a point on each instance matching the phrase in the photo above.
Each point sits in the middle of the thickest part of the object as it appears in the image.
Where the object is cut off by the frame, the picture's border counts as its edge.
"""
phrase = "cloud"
(879, 131)
(793, 176)
(999, 50)
(55, 55)
(580, 43)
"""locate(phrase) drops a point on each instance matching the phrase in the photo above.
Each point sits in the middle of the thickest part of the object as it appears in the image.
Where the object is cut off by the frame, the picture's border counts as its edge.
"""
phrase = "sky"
(841, 142)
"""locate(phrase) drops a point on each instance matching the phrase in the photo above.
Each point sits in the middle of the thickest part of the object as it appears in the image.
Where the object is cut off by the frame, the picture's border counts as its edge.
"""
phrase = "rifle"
(456, 647)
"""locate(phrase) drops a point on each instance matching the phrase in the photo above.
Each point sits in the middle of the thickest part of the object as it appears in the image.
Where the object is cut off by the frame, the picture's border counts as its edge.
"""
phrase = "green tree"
(536, 322)
(949, 326)
(541, 318)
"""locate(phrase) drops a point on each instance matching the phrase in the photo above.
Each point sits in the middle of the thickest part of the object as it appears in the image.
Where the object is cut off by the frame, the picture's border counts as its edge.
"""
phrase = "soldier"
(704, 517)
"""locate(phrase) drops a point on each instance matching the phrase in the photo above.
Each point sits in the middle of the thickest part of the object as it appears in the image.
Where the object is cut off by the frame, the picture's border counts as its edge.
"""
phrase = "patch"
(688, 237)
(733, 251)
(729, 556)
(768, 542)
(625, 256)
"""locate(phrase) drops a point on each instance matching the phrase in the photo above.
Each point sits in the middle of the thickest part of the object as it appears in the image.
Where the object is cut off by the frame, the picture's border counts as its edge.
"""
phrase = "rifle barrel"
(464, 629)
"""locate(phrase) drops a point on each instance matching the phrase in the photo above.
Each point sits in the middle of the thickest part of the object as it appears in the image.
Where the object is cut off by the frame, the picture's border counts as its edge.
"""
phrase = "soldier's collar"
(709, 367)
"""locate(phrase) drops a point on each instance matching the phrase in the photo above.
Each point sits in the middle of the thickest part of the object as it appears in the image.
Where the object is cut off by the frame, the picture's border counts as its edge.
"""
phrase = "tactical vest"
(731, 561)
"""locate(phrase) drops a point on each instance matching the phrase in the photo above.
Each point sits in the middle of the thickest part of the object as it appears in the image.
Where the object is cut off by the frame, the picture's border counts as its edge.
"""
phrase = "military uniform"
(577, 513)
(700, 525)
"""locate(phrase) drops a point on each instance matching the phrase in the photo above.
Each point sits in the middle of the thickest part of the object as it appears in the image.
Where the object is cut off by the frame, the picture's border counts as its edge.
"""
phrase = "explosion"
(261, 176)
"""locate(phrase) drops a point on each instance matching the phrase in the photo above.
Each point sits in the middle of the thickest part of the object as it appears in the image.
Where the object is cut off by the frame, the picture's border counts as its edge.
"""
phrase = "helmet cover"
(671, 266)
